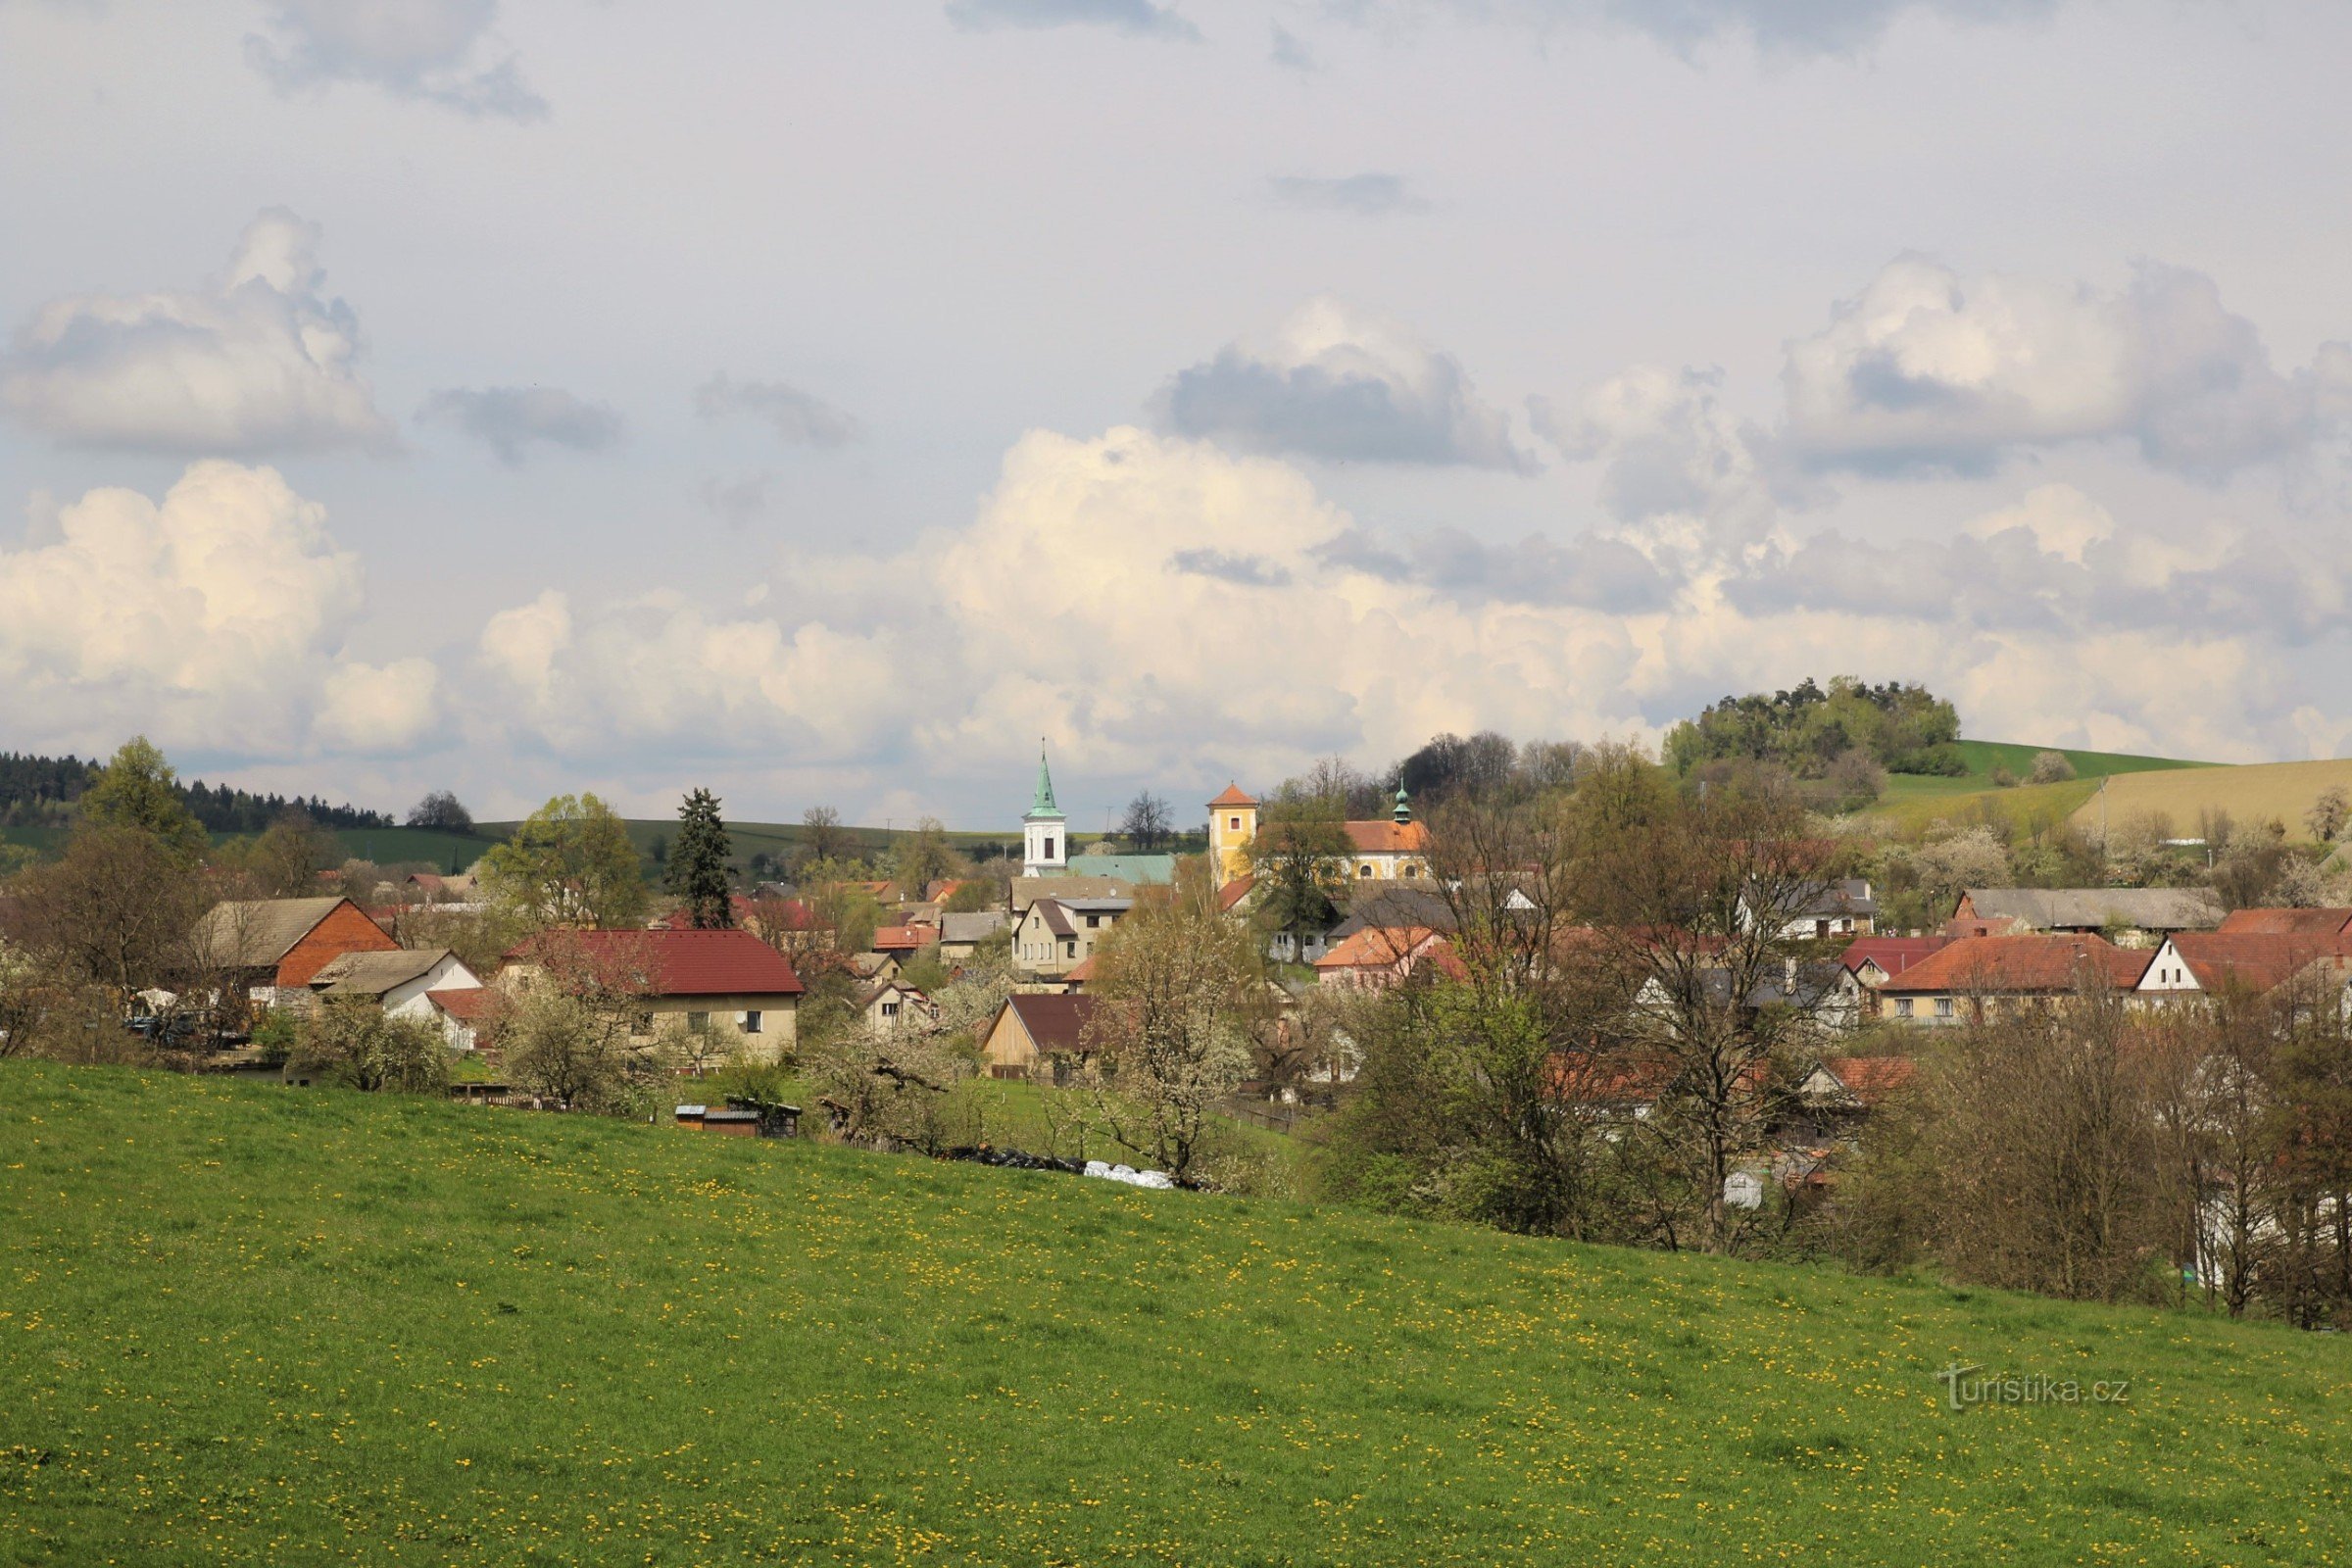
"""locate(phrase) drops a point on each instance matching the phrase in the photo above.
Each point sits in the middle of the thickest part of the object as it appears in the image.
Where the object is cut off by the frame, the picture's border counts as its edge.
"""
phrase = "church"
(1391, 849)
(1045, 843)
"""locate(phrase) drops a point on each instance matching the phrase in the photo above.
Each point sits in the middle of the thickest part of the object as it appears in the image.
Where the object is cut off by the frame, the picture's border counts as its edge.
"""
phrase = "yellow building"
(1232, 825)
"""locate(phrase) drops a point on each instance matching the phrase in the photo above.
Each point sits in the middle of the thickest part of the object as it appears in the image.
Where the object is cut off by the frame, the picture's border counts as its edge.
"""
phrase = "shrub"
(2050, 768)
(353, 1042)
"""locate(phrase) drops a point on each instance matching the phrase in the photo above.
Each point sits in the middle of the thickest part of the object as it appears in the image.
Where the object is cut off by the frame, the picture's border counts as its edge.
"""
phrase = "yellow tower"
(1232, 824)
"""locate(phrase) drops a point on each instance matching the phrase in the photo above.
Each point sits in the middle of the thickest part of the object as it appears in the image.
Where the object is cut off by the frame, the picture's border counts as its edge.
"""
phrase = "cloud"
(799, 419)
(1290, 51)
(1249, 571)
(1670, 449)
(257, 360)
(1928, 371)
(1775, 26)
(738, 500)
(214, 617)
(511, 419)
(1342, 385)
(1367, 195)
(433, 51)
(1138, 17)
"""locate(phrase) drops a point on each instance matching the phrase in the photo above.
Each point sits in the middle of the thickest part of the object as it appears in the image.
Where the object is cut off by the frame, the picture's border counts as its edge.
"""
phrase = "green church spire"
(1043, 805)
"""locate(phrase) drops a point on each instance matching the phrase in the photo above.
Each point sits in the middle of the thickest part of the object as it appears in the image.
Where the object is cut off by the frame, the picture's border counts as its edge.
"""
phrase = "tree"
(139, 789)
(352, 1041)
(1301, 858)
(567, 1051)
(922, 857)
(285, 860)
(570, 863)
(2050, 768)
(1167, 1040)
(823, 835)
(1147, 824)
(441, 811)
(698, 865)
(118, 910)
(2329, 813)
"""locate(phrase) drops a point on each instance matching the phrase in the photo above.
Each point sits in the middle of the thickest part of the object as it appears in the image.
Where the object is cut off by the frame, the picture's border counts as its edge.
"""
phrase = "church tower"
(1044, 843)
(1232, 824)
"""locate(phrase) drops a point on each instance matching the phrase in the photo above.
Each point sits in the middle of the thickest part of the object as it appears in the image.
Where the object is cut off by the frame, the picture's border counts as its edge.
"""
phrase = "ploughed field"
(240, 1323)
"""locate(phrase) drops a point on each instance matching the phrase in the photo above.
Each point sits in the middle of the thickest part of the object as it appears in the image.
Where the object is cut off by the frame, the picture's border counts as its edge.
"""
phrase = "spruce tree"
(698, 863)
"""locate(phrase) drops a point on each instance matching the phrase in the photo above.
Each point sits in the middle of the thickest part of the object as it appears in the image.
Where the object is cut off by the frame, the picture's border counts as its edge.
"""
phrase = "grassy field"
(2250, 794)
(247, 1324)
(1986, 756)
(1915, 802)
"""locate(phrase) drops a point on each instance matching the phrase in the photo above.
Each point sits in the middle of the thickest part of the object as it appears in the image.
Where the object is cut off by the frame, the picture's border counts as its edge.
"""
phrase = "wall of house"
(1038, 949)
(1009, 1046)
(779, 1019)
(344, 930)
(408, 1001)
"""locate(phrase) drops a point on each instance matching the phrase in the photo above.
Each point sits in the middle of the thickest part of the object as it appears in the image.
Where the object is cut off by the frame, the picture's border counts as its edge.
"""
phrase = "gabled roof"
(1234, 795)
(256, 933)
(1389, 904)
(372, 974)
(972, 927)
(1381, 947)
(903, 938)
(465, 1004)
(1080, 972)
(2031, 963)
(1871, 1079)
(1234, 890)
(1054, 1022)
(684, 963)
(1387, 838)
(2283, 922)
(2252, 960)
(1057, 912)
(2088, 908)
(1893, 954)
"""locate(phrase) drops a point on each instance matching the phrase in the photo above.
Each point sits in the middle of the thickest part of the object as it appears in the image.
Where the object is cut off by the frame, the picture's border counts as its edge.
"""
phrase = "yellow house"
(1232, 825)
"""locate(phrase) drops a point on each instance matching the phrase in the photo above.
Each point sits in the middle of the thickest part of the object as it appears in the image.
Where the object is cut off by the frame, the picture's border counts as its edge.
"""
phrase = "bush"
(2003, 779)
(352, 1041)
(1942, 760)
(2050, 768)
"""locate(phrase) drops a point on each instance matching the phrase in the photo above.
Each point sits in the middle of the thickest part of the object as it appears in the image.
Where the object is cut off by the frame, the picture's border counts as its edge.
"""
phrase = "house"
(1873, 960)
(1079, 978)
(2192, 965)
(1027, 890)
(872, 968)
(399, 981)
(1825, 991)
(1056, 934)
(1845, 907)
(903, 942)
(1031, 1029)
(463, 1014)
(729, 979)
(1836, 1095)
(1977, 976)
(2288, 922)
(1377, 956)
(271, 948)
(960, 936)
(2141, 918)
(893, 1005)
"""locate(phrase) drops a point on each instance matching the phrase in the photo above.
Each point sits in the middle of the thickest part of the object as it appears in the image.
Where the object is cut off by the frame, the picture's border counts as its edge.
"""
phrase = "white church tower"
(1046, 846)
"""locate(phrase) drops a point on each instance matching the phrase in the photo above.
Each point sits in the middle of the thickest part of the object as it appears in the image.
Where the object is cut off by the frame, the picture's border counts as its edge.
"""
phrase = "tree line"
(42, 792)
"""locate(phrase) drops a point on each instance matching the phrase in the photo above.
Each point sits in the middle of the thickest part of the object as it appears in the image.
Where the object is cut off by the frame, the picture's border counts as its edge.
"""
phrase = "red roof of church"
(1233, 796)
(1387, 838)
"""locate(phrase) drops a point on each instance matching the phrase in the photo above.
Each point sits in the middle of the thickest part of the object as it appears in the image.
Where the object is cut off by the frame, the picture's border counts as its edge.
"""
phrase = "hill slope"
(245, 1324)
(2250, 794)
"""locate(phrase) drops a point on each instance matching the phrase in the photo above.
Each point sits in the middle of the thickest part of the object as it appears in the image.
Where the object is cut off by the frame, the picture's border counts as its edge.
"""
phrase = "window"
(1093, 920)
(1048, 847)
(751, 1022)
(642, 1024)
(1902, 1006)
(698, 1020)
(1943, 1006)
(890, 1009)
(1233, 823)
(1069, 948)
(1364, 870)
(1821, 928)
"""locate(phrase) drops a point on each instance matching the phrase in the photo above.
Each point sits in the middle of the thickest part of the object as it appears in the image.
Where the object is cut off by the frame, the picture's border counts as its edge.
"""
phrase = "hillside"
(245, 1324)
(1915, 801)
(2250, 794)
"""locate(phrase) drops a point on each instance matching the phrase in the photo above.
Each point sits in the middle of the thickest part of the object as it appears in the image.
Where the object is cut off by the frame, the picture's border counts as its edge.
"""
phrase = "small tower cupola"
(1045, 845)
(1404, 806)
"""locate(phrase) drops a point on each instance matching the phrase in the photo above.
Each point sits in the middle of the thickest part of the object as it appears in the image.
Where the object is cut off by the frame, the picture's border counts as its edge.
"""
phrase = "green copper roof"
(1043, 805)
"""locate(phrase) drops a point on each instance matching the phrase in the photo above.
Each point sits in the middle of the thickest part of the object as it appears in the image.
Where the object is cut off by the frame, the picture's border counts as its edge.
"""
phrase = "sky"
(826, 404)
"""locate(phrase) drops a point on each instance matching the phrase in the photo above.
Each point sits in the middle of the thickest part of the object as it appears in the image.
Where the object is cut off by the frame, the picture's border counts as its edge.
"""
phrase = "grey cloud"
(511, 419)
(1345, 387)
(1366, 195)
(1779, 26)
(434, 51)
(798, 417)
(1290, 51)
(738, 500)
(1249, 571)
(1138, 17)
(1590, 571)
(256, 359)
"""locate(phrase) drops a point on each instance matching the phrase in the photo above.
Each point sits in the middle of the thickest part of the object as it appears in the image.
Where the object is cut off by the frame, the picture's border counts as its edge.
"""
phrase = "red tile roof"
(1081, 972)
(1233, 796)
(903, 938)
(2008, 965)
(1387, 838)
(2254, 960)
(1234, 890)
(683, 963)
(2281, 922)
(1871, 1079)
(465, 1004)
(1893, 954)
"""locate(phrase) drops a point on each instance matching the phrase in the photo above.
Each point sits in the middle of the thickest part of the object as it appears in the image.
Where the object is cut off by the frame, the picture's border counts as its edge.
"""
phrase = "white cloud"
(1776, 27)
(435, 51)
(214, 617)
(258, 360)
(1343, 385)
(1926, 370)
(511, 420)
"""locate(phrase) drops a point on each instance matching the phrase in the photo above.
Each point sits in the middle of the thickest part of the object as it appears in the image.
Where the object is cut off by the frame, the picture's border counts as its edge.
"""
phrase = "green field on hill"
(1915, 802)
(1986, 756)
(245, 1324)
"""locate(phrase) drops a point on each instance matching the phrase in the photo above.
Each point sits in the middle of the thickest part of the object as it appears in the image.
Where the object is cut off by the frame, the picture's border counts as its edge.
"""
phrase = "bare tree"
(1147, 824)
(822, 834)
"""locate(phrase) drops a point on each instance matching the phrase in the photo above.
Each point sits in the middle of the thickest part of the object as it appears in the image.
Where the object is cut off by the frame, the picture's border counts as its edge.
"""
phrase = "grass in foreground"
(246, 1324)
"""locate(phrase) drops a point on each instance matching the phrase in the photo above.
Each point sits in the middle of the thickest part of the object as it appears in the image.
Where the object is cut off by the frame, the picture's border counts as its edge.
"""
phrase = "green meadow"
(244, 1324)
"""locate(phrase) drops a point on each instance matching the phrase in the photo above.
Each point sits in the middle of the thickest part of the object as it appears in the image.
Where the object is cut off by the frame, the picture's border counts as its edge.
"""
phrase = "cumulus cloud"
(798, 417)
(1343, 385)
(256, 359)
(1138, 17)
(1365, 195)
(1926, 370)
(1669, 448)
(1251, 571)
(214, 616)
(434, 51)
(511, 420)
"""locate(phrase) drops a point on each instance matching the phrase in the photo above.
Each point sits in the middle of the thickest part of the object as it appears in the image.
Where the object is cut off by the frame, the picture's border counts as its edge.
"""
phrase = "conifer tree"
(698, 863)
